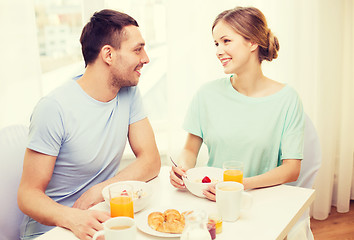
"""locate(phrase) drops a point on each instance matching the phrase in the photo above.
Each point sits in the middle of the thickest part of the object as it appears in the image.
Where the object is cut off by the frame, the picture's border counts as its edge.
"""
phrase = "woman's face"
(233, 50)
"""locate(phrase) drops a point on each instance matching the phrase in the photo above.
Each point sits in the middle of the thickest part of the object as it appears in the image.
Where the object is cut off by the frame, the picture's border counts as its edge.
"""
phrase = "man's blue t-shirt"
(87, 136)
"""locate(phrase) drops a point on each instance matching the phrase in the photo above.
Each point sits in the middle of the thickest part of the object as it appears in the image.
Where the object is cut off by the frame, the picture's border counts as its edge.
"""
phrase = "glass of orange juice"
(121, 201)
(233, 171)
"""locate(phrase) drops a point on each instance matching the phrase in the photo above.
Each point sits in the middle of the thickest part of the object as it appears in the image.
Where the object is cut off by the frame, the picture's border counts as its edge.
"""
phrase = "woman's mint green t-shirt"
(260, 132)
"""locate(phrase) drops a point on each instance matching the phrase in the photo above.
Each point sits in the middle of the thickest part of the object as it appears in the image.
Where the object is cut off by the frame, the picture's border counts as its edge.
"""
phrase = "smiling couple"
(79, 131)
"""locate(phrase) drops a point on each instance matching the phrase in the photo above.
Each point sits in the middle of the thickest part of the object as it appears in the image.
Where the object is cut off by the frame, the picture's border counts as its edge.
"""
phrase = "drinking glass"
(121, 200)
(233, 171)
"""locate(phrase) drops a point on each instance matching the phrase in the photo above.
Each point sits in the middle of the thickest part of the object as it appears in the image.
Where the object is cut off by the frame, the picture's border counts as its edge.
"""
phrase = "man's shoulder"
(59, 96)
(62, 90)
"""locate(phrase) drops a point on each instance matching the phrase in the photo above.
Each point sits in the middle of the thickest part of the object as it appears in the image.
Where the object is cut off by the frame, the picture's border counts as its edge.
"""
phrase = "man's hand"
(90, 198)
(85, 223)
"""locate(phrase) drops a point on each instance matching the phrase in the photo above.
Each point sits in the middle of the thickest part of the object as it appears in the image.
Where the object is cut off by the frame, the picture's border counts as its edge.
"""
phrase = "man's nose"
(145, 59)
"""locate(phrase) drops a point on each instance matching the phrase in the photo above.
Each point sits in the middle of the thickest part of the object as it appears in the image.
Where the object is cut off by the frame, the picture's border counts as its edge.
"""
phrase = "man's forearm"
(142, 169)
(41, 208)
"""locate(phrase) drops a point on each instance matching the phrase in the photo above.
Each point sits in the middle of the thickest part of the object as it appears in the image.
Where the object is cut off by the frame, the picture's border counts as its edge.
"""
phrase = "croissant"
(172, 215)
(156, 220)
(173, 227)
(171, 221)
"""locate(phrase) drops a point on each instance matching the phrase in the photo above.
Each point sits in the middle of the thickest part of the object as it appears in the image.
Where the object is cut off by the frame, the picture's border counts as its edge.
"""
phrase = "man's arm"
(142, 142)
(145, 167)
(37, 172)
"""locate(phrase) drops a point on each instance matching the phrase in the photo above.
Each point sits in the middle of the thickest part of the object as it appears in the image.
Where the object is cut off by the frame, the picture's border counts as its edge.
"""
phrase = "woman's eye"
(138, 50)
(226, 40)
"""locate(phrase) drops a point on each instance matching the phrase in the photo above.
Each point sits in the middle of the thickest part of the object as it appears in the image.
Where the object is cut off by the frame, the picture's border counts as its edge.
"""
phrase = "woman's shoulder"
(213, 85)
(279, 89)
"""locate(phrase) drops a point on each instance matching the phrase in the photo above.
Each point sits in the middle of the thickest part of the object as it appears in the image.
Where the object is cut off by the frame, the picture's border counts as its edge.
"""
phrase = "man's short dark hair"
(104, 28)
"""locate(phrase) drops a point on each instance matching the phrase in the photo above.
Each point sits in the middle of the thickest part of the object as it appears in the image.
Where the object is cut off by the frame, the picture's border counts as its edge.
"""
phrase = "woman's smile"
(225, 61)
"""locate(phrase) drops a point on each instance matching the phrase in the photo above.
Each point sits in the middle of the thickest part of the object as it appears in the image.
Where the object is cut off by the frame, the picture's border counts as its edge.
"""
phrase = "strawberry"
(206, 179)
(124, 193)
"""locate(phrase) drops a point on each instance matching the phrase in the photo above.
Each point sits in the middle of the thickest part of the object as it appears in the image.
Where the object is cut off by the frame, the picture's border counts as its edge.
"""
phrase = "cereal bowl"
(142, 194)
(196, 175)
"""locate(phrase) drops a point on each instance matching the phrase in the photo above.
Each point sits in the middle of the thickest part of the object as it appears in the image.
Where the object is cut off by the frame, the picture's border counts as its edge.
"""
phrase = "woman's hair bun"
(273, 47)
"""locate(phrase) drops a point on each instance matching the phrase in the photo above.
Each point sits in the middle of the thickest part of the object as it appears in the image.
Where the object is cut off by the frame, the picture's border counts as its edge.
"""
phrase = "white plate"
(141, 220)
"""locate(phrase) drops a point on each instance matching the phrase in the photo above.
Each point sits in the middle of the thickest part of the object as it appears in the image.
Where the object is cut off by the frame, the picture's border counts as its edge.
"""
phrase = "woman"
(246, 117)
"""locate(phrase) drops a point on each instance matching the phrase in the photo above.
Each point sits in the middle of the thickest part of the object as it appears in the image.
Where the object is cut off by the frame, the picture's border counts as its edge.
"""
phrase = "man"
(79, 131)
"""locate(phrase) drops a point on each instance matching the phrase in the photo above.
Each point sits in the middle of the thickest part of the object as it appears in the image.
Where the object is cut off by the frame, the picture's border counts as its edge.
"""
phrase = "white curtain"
(334, 115)
(316, 58)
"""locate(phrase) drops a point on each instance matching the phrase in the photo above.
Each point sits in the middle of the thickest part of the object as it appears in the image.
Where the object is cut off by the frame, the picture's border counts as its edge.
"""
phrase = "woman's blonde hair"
(250, 23)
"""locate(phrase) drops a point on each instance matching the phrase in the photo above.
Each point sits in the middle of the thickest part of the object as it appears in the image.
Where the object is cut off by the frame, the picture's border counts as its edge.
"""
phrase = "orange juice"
(122, 206)
(233, 175)
(218, 223)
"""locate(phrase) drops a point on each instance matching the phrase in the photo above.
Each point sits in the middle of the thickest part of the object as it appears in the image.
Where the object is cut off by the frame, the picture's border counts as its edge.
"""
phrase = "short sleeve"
(46, 128)
(292, 143)
(137, 111)
(192, 123)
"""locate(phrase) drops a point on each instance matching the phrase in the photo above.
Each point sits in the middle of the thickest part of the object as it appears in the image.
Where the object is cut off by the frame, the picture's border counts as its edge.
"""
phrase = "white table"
(273, 213)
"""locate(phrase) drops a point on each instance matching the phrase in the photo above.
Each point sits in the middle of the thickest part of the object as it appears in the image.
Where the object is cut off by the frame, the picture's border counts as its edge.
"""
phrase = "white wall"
(19, 63)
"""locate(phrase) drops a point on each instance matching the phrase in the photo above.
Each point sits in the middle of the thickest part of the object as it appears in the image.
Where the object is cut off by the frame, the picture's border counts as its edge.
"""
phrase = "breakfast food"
(216, 219)
(170, 221)
(138, 194)
(212, 229)
(206, 179)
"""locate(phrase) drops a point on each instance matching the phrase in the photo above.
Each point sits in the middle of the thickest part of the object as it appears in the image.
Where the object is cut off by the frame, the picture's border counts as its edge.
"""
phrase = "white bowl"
(139, 188)
(194, 178)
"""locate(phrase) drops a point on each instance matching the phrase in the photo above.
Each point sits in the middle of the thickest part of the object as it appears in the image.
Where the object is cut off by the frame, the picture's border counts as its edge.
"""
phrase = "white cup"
(123, 228)
(230, 199)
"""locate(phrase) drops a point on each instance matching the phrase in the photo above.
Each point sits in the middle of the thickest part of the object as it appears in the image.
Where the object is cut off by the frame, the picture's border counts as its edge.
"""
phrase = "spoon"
(176, 166)
(173, 162)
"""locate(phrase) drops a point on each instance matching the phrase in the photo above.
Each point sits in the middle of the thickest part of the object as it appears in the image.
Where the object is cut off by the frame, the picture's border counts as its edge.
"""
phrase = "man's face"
(129, 59)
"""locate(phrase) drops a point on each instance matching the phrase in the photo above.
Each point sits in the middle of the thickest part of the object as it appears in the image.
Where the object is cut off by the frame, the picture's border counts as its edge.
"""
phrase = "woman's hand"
(176, 180)
(210, 193)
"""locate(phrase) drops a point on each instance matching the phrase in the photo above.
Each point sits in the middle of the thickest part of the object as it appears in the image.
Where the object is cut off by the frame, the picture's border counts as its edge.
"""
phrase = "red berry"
(206, 179)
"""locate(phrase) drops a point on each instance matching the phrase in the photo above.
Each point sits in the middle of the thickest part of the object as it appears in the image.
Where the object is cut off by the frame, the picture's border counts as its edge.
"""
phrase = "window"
(59, 24)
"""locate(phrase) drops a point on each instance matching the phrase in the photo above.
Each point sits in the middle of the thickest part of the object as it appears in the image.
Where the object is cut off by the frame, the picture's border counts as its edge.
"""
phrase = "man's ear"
(106, 54)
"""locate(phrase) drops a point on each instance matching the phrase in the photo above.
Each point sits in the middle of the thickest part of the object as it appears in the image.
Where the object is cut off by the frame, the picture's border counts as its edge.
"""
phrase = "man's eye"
(138, 50)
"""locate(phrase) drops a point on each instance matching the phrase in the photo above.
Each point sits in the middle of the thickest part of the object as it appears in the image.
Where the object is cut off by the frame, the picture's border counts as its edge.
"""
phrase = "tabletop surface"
(273, 213)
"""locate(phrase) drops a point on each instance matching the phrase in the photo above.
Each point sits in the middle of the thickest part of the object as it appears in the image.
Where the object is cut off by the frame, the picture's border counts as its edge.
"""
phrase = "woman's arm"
(187, 160)
(287, 172)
